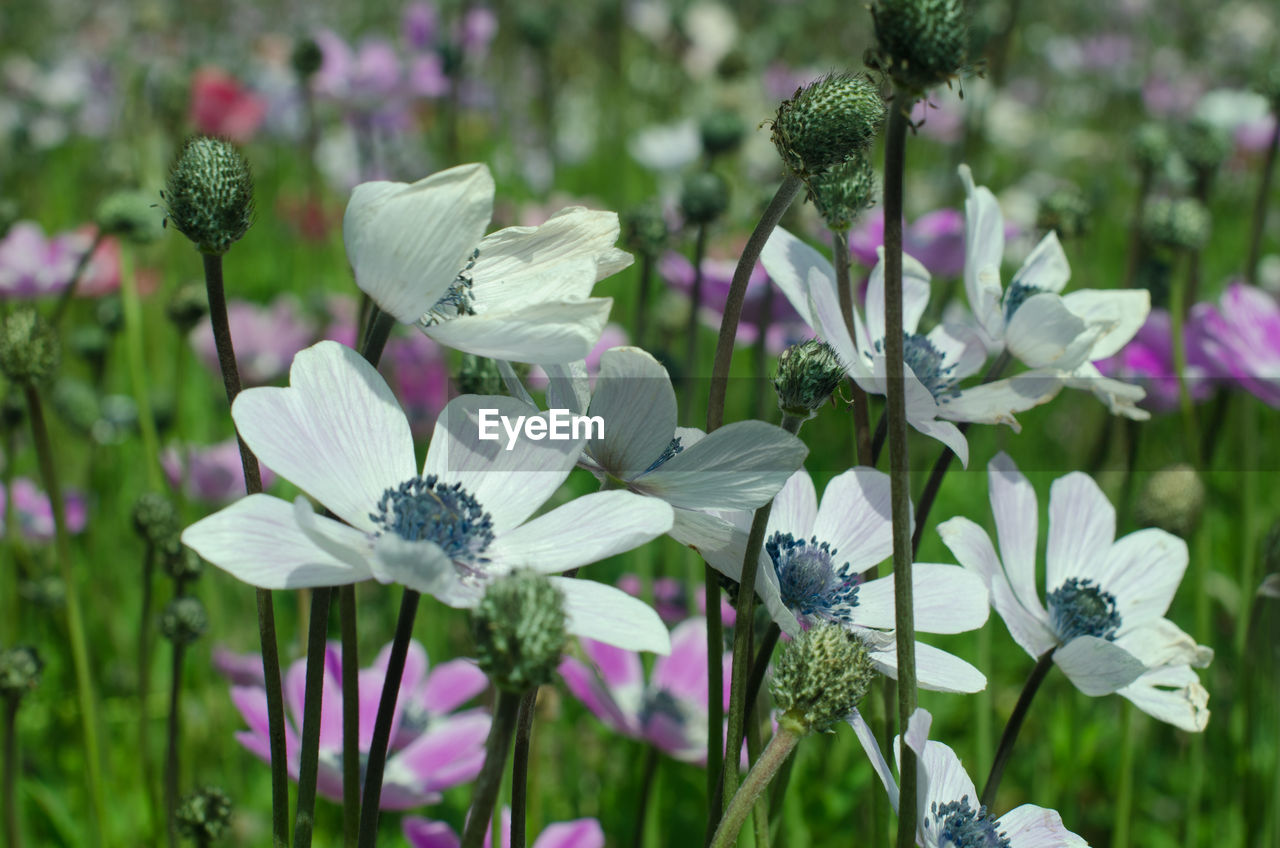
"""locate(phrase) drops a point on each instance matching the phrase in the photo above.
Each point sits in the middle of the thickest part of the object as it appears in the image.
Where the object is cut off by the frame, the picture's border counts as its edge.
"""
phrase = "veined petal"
(1046, 268)
(984, 251)
(423, 567)
(936, 670)
(996, 402)
(947, 599)
(612, 616)
(915, 296)
(1043, 332)
(1121, 313)
(872, 748)
(407, 243)
(1173, 694)
(855, 518)
(1082, 526)
(792, 265)
(1096, 666)
(1017, 516)
(1142, 570)
(543, 333)
(568, 387)
(795, 507)
(337, 432)
(1120, 398)
(947, 433)
(962, 349)
(635, 398)
(1161, 643)
(257, 540)
(1030, 826)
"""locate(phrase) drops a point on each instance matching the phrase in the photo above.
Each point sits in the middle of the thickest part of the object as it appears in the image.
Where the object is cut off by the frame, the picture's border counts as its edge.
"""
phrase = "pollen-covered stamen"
(811, 584)
(424, 509)
(928, 364)
(1016, 295)
(673, 448)
(458, 300)
(960, 826)
(1081, 608)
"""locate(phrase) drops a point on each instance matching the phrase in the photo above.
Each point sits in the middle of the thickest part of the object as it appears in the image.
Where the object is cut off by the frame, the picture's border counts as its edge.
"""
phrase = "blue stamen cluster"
(424, 509)
(458, 300)
(1016, 295)
(926, 362)
(811, 584)
(960, 826)
(1080, 608)
(671, 450)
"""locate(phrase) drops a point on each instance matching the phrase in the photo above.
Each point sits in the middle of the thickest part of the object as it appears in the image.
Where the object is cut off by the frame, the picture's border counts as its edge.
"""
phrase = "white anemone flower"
(813, 569)
(948, 812)
(339, 435)
(522, 293)
(935, 363)
(1107, 597)
(1034, 321)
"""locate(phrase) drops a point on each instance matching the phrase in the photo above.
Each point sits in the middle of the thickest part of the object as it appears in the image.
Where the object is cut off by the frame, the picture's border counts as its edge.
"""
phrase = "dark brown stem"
(1260, 202)
(1010, 735)
(520, 767)
(350, 717)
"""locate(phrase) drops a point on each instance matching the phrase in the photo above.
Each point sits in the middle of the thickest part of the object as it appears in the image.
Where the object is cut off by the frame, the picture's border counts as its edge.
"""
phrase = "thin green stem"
(350, 717)
(691, 326)
(760, 809)
(786, 194)
(1124, 790)
(64, 299)
(485, 793)
(75, 621)
(375, 338)
(844, 290)
(136, 356)
(647, 777)
(899, 477)
(1178, 306)
(171, 746)
(382, 725)
(12, 833)
(1248, 412)
(1011, 729)
(758, 779)
(145, 626)
(520, 767)
(1260, 203)
(761, 664)
(1135, 227)
(309, 760)
(641, 324)
(715, 689)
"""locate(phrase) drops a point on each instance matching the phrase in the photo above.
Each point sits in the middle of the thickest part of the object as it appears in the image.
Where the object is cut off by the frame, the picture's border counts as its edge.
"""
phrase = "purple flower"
(213, 473)
(579, 833)
(238, 669)
(670, 599)
(34, 266)
(266, 339)
(418, 25)
(1148, 361)
(670, 711)
(35, 514)
(432, 747)
(1242, 339)
(479, 26)
(420, 377)
(935, 238)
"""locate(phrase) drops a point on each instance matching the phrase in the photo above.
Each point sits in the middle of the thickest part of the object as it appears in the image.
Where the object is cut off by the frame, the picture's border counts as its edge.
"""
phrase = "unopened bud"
(821, 678)
(808, 374)
(1181, 224)
(721, 132)
(1204, 146)
(20, 669)
(920, 43)
(844, 192)
(29, 349)
(519, 629)
(204, 815)
(209, 195)
(180, 562)
(1151, 146)
(479, 375)
(307, 57)
(132, 216)
(183, 620)
(644, 230)
(1064, 211)
(155, 519)
(827, 122)
(188, 306)
(1172, 500)
(704, 197)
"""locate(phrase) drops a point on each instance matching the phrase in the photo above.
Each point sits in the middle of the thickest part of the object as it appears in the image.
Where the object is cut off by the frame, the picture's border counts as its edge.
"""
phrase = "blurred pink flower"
(670, 599)
(614, 335)
(35, 514)
(579, 833)
(213, 473)
(419, 375)
(34, 266)
(1148, 361)
(266, 339)
(221, 106)
(1241, 338)
(936, 239)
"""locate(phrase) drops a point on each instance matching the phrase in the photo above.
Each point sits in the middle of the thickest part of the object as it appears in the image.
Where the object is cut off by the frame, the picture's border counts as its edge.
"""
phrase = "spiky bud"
(721, 132)
(1064, 211)
(180, 562)
(132, 216)
(843, 193)
(519, 628)
(479, 375)
(703, 197)
(644, 230)
(808, 374)
(1181, 224)
(1152, 145)
(827, 122)
(183, 620)
(204, 815)
(29, 349)
(1204, 146)
(1172, 500)
(209, 195)
(306, 58)
(155, 519)
(188, 306)
(20, 669)
(920, 43)
(821, 678)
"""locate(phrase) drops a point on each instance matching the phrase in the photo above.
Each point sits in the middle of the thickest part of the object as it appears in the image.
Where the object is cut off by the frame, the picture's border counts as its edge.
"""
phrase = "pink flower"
(670, 599)
(221, 106)
(35, 513)
(935, 238)
(34, 266)
(1242, 339)
(419, 373)
(579, 833)
(1148, 361)
(265, 337)
(213, 473)
(432, 748)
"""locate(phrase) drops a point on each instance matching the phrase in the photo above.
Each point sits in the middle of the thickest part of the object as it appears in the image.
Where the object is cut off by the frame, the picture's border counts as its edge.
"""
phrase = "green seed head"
(1181, 224)
(155, 519)
(1172, 500)
(188, 306)
(209, 195)
(920, 43)
(808, 374)
(204, 815)
(183, 620)
(180, 562)
(479, 375)
(29, 349)
(722, 132)
(644, 230)
(827, 123)
(821, 678)
(1064, 211)
(132, 216)
(306, 57)
(1152, 145)
(704, 197)
(19, 671)
(519, 629)
(843, 193)
(1204, 146)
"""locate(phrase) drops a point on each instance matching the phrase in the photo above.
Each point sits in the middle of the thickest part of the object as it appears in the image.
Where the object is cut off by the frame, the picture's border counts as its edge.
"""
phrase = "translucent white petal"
(795, 507)
(1017, 516)
(1042, 332)
(1172, 694)
(612, 616)
(947, 599)
(936, 670)
(1142, 570)
(544, 333)
(423, 567)
(1030, 826)
(1046, 268)
(1096, 666)
(984, 251)
(1121, 313)
(872, 748)
(915, 296)
(635, 398)
(962, 349)
(1082, 526)
(996, 402)
(855, 518)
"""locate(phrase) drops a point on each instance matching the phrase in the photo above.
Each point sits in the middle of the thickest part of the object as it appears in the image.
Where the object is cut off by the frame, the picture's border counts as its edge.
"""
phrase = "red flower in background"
(221, 106)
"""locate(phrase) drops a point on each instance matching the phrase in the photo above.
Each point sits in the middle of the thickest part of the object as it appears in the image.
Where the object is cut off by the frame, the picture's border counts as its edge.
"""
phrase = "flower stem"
(1124, 791)
(171, 756)
(266, 610)
(350, 717)
(715, 689)
(844, 290)
(787, 192)
(649, 773)
(1260, 203)
(376, 334)
(761, 664)
(145, 625)
(760, 809)
(12, 833)
(771, 759)
(642, 302)
(382, 725)
(75, 620)
(1011, 729)
(136, 357)
(691, 326)
(761, 389)
(899, 477)
(1135, 227)
(309, 761)
(64, 299)
(485, 794)
(520, 767)
(1178, 306)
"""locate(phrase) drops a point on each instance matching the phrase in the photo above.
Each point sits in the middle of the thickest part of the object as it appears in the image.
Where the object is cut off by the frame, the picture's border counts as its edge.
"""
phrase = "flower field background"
(1139, 132)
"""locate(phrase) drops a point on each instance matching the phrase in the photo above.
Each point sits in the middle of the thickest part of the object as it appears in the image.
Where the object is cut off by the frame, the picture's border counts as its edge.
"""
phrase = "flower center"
(1080, 608)
(458, 300)
(671, 450)
(812, 585)
(1014, 297)
(959, 826)
(424, 509)
(928, 364)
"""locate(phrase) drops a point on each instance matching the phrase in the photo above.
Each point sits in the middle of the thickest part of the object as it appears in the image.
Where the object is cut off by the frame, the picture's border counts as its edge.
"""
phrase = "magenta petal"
(683, 672)
(449, 753)
(585, 685)
(618, 668)
(424, 833)
(579, 833)
(450, 685)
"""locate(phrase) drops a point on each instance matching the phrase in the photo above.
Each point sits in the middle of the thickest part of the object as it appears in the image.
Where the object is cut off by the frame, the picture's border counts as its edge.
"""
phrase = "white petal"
(585, 530)
(1121, 312)
(948, 781)
(337, 432)
(423, 567)
(996, 402)
(257, 540)
(1082, 526)
(1161, 643)
(1143, 570)
(791, 265)
(795, 507)
(947, 599)
(1043, 332)
(568, 387)
(1120, 398)
(984, 251)
(1013, 503)
(543, 334)
(872, 748)
(740, 466)
(855, 518)
(1030, 826)
(962, 349)
(1096, 666)
(1046, 268)
(1172, 694)
(612, 616)
(407, 243)
(915, 296)
(936, 670)
(508, 484)
(635, 398)
(947, 433)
